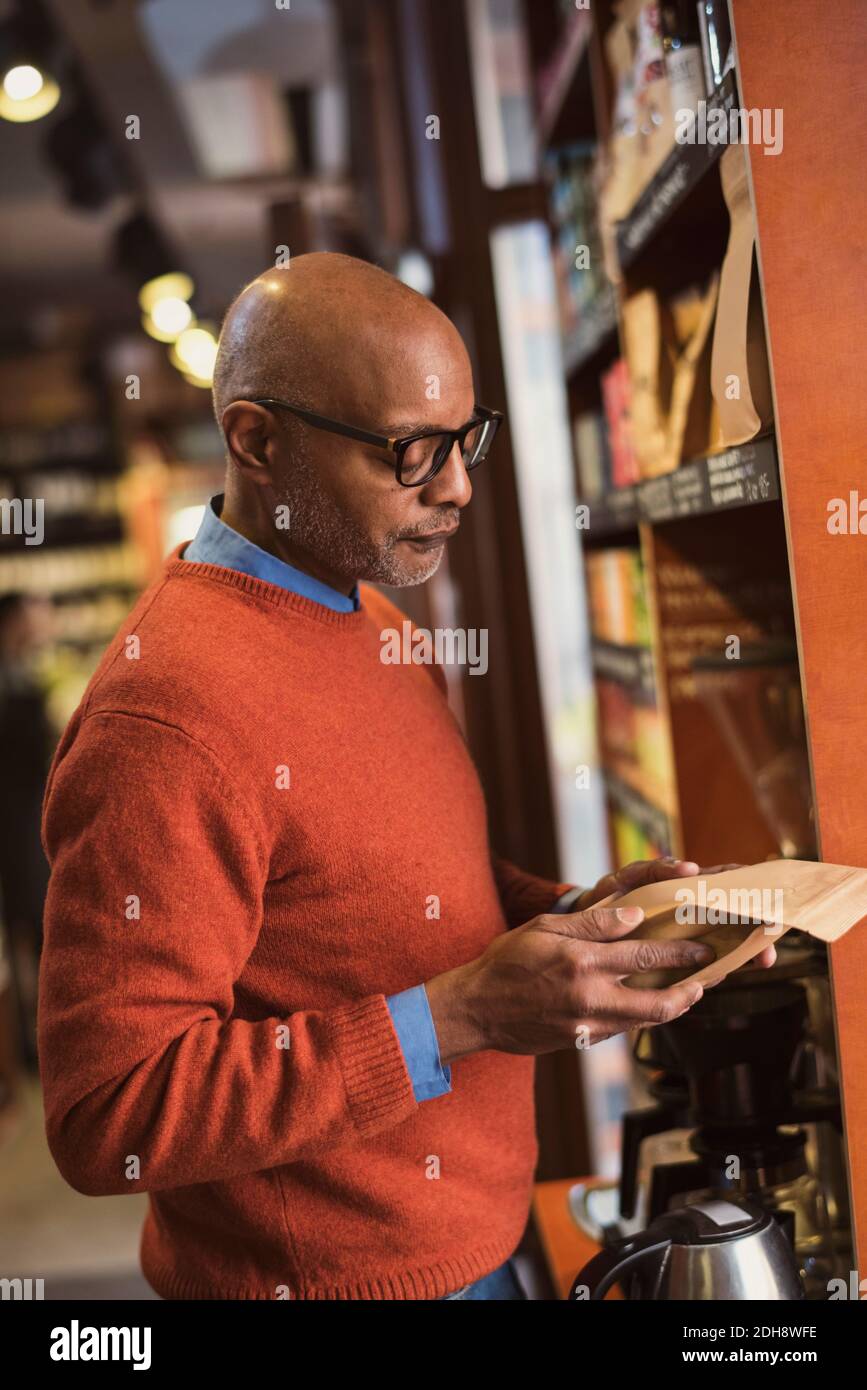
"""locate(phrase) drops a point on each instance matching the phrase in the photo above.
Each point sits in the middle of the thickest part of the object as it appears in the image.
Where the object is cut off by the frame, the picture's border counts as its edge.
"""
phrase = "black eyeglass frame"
(482, 415)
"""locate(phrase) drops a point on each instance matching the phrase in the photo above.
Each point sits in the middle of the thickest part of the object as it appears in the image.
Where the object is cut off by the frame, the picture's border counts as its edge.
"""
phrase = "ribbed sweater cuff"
(378, 1084)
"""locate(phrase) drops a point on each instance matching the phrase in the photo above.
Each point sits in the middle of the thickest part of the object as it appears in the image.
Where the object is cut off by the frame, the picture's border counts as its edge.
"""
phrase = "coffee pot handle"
(605, 1268)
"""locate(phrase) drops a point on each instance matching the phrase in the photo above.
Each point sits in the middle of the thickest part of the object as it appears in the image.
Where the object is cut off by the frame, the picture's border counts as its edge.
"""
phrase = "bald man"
(287, 989)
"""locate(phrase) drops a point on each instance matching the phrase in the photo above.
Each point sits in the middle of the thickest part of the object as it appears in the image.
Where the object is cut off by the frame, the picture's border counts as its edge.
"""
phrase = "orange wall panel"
(811, 203)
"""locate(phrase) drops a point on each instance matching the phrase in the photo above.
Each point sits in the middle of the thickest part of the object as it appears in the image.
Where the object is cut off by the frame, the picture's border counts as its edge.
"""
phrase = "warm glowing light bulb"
(174, 285)
(195, 353)
(26, 94)
(23, 82)
(171, 316)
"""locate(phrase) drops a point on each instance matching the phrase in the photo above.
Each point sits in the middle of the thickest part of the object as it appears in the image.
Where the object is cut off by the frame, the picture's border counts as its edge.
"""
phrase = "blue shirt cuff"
(567, 902)
(414, 1025)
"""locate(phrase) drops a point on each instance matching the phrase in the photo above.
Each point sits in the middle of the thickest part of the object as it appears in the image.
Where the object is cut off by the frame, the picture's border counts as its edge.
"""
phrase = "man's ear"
(249, 431)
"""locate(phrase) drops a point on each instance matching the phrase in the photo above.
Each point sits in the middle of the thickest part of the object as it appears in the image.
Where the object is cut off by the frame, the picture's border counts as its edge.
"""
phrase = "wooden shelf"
(679, 174)
(741, 477)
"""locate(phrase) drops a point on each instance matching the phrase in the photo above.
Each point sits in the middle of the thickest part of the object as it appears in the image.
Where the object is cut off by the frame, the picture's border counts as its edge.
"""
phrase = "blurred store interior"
(158, 154)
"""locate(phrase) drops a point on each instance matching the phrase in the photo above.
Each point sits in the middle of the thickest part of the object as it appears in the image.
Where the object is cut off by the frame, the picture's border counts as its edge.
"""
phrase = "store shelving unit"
(678, 177)
(735, 478)
(737, 541)
(58, 449)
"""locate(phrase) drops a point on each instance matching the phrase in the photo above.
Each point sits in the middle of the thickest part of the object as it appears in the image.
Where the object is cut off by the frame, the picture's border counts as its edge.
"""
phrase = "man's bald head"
(346, 340)
(328, 332)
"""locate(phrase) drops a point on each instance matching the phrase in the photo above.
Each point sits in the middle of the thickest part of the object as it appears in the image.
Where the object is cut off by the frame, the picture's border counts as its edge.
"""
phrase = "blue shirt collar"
(215, 543)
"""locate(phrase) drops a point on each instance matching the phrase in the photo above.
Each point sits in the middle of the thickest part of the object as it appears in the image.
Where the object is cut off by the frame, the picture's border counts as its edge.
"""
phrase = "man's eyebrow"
(403, 428)
(409, 427)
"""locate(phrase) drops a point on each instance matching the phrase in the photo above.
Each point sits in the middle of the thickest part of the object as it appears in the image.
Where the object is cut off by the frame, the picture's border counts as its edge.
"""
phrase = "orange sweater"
(247, 819)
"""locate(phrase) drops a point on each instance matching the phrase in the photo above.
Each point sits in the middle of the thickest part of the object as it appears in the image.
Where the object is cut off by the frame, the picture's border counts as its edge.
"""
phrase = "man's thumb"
(599, 923)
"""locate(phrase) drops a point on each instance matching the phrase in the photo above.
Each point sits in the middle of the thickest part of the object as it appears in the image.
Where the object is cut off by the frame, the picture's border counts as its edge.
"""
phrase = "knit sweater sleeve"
(153, 909)
(524, 895)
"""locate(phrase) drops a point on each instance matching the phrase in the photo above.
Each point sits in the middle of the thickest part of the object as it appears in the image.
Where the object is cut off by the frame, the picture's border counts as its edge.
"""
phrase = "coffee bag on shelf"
(668, 352)
(740, 375)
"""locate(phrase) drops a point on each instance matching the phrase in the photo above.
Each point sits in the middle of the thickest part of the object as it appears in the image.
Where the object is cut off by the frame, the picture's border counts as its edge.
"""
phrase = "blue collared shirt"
(215, 543)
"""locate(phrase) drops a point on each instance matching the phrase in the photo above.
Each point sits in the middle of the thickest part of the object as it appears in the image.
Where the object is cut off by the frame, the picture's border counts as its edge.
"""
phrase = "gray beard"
(319, 529)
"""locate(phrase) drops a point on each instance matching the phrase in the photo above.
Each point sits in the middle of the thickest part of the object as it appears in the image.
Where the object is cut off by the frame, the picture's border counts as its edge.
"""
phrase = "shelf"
(70, 532)
(653, 821)
(598, 325)
(740, 477)
(612, 513)
(85, 446)
(97, 641)
(681, 171)
(629, 666)
(127, 587)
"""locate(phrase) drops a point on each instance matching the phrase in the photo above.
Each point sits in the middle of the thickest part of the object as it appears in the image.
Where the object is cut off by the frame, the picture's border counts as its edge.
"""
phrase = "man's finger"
(766, 958)
(599, 1028)
(622, 958)
(648, 1007)
(597, 923)
(651, 871)
(606, 887)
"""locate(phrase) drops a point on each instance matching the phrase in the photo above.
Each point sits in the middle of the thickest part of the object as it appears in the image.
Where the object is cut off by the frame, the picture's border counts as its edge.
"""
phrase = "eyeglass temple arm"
(382, 441)
(321, 422)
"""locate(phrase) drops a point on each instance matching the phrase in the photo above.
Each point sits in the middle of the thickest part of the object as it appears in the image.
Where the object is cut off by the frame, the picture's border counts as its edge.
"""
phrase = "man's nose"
(451, 484)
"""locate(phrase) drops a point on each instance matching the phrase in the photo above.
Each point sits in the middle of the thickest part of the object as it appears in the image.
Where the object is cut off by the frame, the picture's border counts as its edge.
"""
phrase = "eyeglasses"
(418, 457)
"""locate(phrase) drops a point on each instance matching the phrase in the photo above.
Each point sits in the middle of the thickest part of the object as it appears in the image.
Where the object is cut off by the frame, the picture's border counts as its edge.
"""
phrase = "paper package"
(741, 911)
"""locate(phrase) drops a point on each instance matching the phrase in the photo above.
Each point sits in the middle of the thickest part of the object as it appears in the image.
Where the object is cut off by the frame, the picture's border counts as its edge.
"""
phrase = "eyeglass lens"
(425, 457)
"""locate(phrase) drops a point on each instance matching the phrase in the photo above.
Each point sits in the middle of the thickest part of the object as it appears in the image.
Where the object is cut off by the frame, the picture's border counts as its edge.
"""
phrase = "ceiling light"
(169, 317)
(27, 94)
(23, 82)
(144, 253)
(173, 286)
(194, 353)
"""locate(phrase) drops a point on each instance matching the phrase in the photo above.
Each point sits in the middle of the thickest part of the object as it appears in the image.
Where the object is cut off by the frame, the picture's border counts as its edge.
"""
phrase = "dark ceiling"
(208, 81)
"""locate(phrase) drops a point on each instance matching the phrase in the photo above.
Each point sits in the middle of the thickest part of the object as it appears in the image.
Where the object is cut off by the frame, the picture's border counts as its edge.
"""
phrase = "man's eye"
(421, 452)
(411, 464)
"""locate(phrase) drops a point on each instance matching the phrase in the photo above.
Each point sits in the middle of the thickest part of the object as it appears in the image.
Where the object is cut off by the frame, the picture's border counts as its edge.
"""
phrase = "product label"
(685, 72)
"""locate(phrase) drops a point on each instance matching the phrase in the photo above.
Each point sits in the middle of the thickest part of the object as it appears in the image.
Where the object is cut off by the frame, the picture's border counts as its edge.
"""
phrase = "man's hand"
(635, 875)
(653, 871)
(556, 979)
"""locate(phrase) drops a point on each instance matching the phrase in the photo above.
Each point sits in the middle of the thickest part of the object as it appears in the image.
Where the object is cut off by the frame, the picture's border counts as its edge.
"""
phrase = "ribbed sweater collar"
(176, 568)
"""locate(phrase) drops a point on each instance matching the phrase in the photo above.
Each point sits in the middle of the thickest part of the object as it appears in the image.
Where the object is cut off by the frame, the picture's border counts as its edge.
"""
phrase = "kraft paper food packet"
(824, 900)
